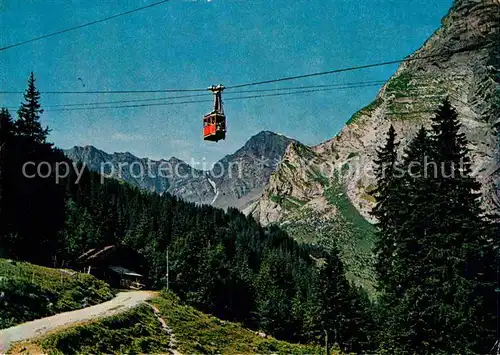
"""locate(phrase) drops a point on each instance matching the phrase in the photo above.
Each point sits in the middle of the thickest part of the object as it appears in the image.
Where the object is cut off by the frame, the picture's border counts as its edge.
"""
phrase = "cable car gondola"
(214, 123)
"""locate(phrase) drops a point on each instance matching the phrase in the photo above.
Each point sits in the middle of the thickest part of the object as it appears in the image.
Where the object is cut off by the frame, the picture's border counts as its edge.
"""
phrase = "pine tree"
(274, 293)
(28, 122)
(414, 208)
(6, 127)
(463, 231)
(328, 304)
(387, 205)
(441, 246)
(404, 327)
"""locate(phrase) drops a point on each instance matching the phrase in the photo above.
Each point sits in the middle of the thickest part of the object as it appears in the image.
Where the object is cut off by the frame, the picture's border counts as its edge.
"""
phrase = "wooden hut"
(119, 266)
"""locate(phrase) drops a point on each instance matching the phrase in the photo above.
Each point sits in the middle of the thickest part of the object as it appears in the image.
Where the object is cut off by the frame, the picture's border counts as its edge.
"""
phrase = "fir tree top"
(385, 164)
(418, 146)
(6, 124)
(449, 143)
(28, 122)
(450, 151)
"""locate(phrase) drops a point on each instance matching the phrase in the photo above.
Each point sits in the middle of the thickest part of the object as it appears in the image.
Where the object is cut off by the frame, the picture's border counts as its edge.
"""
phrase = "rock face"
(237, 180)
(461, 61)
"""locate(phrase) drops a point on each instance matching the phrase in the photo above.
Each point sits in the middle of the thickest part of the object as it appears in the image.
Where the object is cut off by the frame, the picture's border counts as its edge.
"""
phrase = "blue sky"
(193, 44)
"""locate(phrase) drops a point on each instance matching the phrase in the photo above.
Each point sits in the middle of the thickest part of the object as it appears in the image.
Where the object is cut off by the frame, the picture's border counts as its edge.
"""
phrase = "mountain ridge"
(471, 88)
(235, 181)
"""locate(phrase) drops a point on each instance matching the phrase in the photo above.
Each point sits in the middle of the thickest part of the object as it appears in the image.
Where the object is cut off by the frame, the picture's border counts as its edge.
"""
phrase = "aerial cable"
(293, 93)
(200, 101)
(340, 86)
(369, 83)
(127, 106)
(110, 91)
(183, 90)
(83, 25)
(367, 66)
(360, 67)
(229, 99)
(123, 101)
(357, 84)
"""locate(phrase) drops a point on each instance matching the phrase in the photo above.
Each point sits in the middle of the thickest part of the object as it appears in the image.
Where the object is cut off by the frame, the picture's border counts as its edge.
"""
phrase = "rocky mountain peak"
(242, 176)
(237, 180)
(265, 143)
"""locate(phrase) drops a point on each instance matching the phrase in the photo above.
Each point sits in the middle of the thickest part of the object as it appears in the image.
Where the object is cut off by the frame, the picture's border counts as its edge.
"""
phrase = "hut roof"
(94, 254)
(107, 256)
(124, 271)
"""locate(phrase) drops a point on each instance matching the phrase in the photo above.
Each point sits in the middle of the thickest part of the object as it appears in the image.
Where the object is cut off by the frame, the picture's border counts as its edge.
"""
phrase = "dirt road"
(122, 302)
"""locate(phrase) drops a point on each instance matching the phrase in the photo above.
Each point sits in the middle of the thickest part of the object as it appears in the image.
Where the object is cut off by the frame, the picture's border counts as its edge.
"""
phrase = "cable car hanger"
(214, 123)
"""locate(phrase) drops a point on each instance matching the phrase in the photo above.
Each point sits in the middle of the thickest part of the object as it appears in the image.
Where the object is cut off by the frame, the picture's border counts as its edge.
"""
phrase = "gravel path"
(172, 343)
(122, 302)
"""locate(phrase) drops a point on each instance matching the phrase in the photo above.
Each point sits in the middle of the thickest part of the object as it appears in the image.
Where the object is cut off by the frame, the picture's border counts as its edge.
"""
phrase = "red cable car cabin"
(214, 123)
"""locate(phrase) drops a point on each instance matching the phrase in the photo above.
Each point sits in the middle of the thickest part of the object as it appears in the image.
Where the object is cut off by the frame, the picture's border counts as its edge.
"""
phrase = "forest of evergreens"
(436, 252)
(223, 263)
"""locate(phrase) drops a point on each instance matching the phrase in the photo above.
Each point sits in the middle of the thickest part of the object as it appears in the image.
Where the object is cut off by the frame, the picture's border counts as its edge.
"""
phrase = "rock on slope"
(237, 180)
(461, 60)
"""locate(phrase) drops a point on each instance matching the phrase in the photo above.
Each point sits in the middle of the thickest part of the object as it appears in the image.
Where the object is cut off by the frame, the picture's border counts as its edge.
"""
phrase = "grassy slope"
(348, 230)
(136, 331)
(358, 240)
(196, 332)
(29, 292)
(139, 331)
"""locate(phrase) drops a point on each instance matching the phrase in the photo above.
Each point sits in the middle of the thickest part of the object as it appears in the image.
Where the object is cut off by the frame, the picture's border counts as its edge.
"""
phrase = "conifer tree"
(328, 304)
(414, 208)
(440, 255)
(403, 329)
(387, 204)
(274, 294)
(28, 122)
(468, 251)
(6, 127)
(459, 241)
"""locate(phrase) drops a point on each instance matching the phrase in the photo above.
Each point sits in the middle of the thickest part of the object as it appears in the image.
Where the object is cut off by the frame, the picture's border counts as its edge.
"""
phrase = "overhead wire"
(294, 90)
(124, 101)
(199, 101)
(338, 85)
(361, 83)
(109, 91)
(360, 67)
(82, 25)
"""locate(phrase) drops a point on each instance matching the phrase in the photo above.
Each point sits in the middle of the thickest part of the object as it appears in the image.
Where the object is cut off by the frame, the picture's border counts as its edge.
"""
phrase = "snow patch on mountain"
(216, 191)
